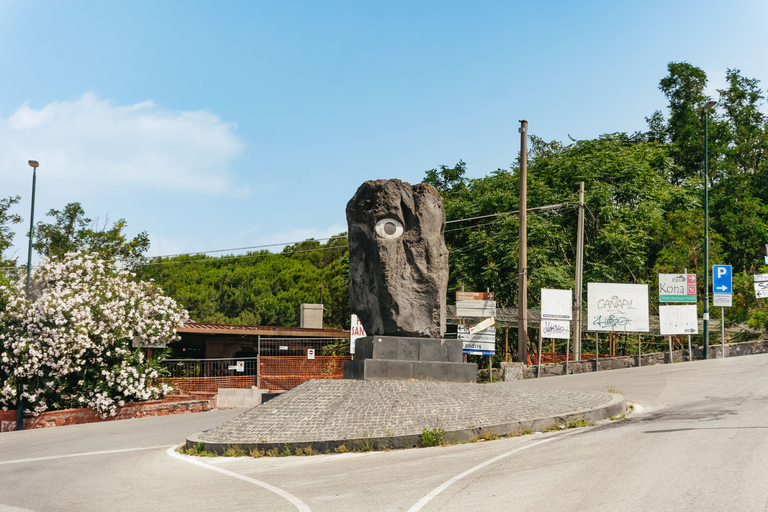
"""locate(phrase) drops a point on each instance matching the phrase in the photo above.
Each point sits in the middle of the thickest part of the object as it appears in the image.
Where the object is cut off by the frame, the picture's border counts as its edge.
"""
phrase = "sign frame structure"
(482, 343)
(556, 304)
(476, 308)
(679, 288)
(678, 319)
(617, 307)
(722, 279)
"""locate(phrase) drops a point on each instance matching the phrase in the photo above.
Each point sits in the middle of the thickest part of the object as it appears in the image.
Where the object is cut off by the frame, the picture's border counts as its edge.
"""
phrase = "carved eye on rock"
(389, 228)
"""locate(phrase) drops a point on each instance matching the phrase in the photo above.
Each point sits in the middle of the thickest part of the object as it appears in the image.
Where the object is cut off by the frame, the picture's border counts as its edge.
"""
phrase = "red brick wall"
(179, 404)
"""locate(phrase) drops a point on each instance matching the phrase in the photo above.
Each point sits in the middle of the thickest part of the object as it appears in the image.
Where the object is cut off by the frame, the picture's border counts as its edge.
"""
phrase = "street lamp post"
(20, 385)
(707, 106)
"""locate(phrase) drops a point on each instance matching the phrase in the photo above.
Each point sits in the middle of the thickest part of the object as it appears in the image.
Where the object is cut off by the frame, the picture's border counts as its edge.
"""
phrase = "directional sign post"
(722, 279)
(722, 286)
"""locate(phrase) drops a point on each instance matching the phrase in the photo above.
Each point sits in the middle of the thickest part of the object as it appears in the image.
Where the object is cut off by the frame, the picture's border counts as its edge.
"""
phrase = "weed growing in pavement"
(342, 448)
(612, 389)
(306, 450)
(234, 451)
(198, 450)
(518, 433)
(489, 436)
(581, 422)
(619, 417)
(432, 437)
(364, 444)
(577, 423)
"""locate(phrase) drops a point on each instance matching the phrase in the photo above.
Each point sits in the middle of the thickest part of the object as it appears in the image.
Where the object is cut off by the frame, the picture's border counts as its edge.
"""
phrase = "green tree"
(7, 220)
(72, 231)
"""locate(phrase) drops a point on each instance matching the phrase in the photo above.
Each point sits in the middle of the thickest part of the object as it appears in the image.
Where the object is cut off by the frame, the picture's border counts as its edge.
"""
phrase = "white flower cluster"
(73, 340)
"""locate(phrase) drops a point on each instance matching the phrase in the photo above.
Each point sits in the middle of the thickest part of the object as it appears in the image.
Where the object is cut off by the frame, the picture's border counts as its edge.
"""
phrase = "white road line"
(303, 507)
(84, 454)
(426, 499)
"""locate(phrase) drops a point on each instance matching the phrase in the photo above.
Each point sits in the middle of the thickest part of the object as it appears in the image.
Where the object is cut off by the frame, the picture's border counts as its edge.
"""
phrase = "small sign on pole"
(677, 287)
(310, 353)
(761, 289)
(356, 331)
(481, 343)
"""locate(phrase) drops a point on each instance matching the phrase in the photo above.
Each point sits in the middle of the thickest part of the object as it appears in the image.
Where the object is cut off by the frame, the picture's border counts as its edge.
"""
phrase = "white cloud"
(92, 146)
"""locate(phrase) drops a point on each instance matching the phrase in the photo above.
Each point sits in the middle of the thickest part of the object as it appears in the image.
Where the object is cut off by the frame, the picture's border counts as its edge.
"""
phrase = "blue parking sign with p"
(721, 279)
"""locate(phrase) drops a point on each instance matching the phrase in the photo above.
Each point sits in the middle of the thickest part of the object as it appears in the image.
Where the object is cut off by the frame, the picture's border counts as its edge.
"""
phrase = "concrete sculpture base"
(397, 358)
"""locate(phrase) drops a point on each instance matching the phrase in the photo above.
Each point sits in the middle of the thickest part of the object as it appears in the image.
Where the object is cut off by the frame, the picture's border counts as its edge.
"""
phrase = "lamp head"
(33, 163)
(709, 104)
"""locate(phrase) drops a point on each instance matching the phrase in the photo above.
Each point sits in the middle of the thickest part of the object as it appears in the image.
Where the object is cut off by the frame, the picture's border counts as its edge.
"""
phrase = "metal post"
(258, 361)
(690, 351)
(722, 330)
(522, 289)
(538, 372)
(639, 351)
(671, 359)
(579, 276)
(490, 369)
(707, 106)
(597, 351)
(20, 381)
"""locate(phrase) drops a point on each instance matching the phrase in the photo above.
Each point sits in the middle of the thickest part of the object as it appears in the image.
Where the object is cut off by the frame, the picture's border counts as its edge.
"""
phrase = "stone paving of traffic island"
(333, 411)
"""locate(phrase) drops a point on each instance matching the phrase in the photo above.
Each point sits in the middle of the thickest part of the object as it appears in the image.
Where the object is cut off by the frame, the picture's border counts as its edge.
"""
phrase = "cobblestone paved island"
(393, 414)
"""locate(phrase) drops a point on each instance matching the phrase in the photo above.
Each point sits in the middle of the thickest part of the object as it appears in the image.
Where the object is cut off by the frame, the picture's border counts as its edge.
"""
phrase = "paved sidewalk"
(328, 413)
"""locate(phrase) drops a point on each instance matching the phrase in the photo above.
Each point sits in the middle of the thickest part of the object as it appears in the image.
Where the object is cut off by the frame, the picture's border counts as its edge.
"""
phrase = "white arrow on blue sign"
(721, 279)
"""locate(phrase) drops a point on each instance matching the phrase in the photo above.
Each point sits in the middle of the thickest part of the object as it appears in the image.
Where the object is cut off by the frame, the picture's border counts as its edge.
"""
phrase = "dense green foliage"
(259, 288)
(644, 216)
(644, 202)
(7, 219)
(72, 231)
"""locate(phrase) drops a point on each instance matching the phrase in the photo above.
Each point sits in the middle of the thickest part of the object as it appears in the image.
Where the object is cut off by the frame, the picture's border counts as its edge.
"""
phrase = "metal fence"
(278, 373)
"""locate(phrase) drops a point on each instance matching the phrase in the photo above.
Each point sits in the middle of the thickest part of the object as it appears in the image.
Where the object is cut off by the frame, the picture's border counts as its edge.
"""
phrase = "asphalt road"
(697, 441)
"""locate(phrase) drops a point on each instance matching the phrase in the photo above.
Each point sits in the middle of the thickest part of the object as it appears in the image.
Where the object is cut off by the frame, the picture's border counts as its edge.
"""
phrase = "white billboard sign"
(558, 329)
(617, 307)
(678, 320)
(556, 304)
(761, 289)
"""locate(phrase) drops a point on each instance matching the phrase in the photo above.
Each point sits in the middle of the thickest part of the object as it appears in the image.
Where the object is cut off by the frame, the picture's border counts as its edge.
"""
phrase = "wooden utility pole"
(579, 277)
(522, 289)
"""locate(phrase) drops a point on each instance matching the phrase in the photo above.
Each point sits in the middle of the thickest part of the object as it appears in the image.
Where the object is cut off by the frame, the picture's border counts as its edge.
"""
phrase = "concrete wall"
(510, 371)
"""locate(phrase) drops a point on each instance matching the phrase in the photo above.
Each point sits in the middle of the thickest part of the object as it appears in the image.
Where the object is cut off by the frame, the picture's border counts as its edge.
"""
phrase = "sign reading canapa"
(617, 307)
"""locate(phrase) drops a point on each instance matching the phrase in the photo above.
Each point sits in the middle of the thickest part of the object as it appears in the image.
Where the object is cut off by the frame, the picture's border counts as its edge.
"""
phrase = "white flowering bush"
(72, 342)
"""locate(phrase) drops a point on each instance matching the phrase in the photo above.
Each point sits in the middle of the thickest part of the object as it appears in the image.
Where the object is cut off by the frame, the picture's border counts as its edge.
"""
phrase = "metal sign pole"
(690, 352)
(597, 351)
(538, 372)
(670, 349)
(722, 330)
(639, 352)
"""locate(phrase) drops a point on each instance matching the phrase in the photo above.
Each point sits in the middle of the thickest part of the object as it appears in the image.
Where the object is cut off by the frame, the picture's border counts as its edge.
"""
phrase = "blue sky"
(216, 125)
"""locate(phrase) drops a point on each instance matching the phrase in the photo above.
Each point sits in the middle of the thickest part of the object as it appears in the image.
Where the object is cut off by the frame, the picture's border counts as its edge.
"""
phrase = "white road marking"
(84, 454)
(303, 507)
(426, 499)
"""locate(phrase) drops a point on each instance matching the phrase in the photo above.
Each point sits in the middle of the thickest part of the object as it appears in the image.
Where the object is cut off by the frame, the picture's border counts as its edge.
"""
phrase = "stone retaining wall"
(517, 371)
(177, 404)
